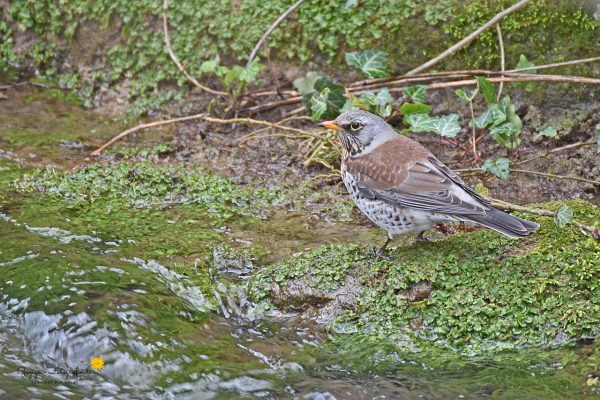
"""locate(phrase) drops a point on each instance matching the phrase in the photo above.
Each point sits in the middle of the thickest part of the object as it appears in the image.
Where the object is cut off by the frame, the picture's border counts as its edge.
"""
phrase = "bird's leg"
(421, 237)
(381, 252)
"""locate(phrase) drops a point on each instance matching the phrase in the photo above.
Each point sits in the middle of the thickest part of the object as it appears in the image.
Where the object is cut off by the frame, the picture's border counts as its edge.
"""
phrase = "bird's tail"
(505, 223)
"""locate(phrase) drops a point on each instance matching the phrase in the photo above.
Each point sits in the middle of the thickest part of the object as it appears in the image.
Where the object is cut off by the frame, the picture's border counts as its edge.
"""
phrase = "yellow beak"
(330, 125)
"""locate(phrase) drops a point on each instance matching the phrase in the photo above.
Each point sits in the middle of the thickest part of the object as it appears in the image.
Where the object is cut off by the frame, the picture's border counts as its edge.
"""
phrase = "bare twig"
(203, 117)
(501, 44)
(36, 84)
(556, 150)
(453, 49)
(560, 64)
(176, 60)
(271, 29)
(514, 207)
(574, 178)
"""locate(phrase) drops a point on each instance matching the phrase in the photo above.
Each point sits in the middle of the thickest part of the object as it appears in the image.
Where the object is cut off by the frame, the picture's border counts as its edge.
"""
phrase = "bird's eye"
(355, 126)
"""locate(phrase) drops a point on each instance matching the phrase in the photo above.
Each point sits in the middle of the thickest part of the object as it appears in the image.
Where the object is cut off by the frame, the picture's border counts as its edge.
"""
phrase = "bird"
(402, 187)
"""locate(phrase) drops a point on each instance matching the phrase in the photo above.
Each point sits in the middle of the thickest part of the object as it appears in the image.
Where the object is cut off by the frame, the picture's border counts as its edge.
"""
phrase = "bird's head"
(358, 129)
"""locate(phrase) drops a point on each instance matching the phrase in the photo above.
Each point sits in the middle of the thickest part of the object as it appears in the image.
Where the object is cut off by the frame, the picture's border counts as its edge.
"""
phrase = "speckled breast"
(394, 219)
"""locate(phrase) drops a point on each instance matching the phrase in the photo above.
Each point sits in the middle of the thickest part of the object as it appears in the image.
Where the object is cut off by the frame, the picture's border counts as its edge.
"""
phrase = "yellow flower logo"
(97, 363)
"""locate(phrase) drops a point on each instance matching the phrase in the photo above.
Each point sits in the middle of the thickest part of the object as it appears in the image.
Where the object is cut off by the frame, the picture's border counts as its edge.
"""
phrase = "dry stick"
(501, 44)
(176, 60)
(575, 178)
(271, 29)
(36, 84)
(441, 85)
(556, 150)
(203, 117)
(453, 49)
(514, 207)
(380, 82)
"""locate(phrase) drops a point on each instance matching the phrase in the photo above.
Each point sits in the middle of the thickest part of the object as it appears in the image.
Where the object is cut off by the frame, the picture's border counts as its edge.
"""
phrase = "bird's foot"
(421, 237)
(380, 254)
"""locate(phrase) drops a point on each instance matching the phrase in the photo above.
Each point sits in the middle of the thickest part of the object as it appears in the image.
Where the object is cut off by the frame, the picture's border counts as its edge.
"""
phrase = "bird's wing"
(421, 181)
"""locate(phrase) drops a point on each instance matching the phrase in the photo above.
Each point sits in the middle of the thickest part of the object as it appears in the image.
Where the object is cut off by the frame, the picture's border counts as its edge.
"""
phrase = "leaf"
(484, 119)
(463, 95)
(563, 216)
(549, 132)
(333, 98)
(306, 84)
(421, 122)
(525, 63)
(500, 167)
(384, 97)
(487, 89)
(350, 3)
(506, 135)
(250, 73)
(416, 93)
(373, 63)
(368, 98)
(318, 104)
(411, 108)
(448, 126)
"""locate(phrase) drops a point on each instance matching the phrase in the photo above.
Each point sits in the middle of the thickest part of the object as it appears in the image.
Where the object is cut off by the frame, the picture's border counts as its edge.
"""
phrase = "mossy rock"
(487, 290)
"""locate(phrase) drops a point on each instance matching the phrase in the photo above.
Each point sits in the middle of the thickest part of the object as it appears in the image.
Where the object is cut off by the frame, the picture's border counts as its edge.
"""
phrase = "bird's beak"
(330, 125)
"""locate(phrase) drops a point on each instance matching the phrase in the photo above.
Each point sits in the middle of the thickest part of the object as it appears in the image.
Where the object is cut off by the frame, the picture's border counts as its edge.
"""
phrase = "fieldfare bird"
(400, 186)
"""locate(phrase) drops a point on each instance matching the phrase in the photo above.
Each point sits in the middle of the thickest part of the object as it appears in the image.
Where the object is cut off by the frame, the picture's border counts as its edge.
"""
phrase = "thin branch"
(203, 117)
(440, 85)
(271, 29)
(176, 60)
(514, 207)
(453, 49)
(36, 84)
(556, 150)
(574, 178)
(560, 64)
(501, 44)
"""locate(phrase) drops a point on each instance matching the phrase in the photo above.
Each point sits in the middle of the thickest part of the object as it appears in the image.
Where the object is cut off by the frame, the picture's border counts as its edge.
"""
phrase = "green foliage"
(499, 167)
(525, 63)
(564, 215)
(306, 84)
(549, 132)
(415, 93)
(372, 63)
(379, 103)
(487, 89)
(446, 125)
(461, 94)
(234, 79)
(326, 101)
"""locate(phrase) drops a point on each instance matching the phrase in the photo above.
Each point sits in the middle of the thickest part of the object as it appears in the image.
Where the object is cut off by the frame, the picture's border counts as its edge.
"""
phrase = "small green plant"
(499, 167)
(234, 79)
(373, 63)
(564, 216)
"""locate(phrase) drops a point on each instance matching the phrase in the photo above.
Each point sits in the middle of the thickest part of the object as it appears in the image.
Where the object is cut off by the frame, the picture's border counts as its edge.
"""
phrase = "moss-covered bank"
(99, 44)
(486, 291)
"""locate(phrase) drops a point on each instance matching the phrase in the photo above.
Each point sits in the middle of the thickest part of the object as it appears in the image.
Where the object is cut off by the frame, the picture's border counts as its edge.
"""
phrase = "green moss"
(489, 291)
(320, 31)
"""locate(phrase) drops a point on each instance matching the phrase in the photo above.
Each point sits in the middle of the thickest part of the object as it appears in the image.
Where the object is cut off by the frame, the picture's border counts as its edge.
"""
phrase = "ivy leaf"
(463, 95)
(506, 135)
(598, 138)
(421, 122)
(318, 104)
(416, 93)
(500, 167)
(368, 98)
(373, 63)
(549, 132)
(487, 89)
(448, 126)
(384, 97)
(484, 119)
(334, 99)
(411, 108)
(250, 73)
(306, 84)
(525, 63)
(564, 215)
